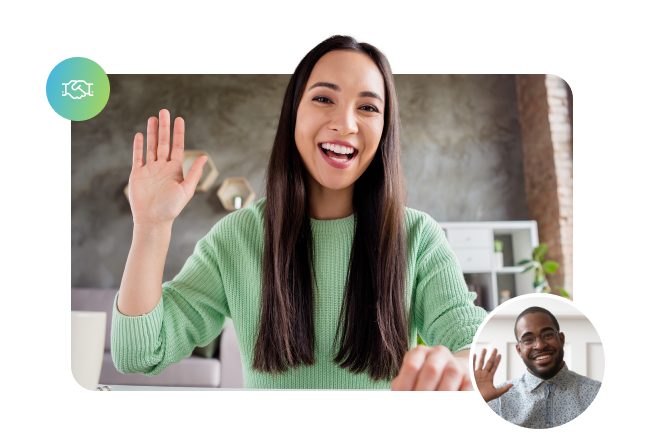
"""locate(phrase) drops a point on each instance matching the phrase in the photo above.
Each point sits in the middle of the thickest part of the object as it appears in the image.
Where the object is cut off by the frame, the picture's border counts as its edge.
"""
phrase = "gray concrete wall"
(461, 154)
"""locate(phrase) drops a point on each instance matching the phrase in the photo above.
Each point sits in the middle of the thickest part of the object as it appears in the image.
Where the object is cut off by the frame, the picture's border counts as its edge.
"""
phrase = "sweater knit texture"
(223, 278)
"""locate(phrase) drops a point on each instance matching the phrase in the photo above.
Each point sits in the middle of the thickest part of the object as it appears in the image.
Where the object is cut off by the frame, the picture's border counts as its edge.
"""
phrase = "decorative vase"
(504, 296)
(498, 255)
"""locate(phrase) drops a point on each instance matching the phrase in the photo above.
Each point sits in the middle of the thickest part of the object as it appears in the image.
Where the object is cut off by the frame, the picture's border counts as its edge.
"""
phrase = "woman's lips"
(337, 164)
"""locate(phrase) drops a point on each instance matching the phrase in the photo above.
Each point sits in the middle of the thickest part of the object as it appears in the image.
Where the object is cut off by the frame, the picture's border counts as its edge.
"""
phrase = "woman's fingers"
(432, 368)
(163, 136)
(193, 176)
(453, 375)
(431, 372)
(178, 141)
(137, 151)
(412, 363)
(157, 138)
(151, 140)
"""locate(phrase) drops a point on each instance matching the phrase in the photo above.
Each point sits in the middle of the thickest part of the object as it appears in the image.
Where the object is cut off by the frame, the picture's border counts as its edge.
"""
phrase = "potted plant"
(542, 268)
(498, 254)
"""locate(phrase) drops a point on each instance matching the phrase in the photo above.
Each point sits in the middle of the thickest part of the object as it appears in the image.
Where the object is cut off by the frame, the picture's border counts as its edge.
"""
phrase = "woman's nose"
(344, 121)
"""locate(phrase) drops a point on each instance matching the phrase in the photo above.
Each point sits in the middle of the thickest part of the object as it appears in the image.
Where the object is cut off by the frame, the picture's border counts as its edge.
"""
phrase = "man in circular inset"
(548, 394)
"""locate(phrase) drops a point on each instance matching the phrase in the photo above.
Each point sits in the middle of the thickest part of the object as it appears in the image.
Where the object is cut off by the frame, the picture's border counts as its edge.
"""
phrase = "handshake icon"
(77, 89)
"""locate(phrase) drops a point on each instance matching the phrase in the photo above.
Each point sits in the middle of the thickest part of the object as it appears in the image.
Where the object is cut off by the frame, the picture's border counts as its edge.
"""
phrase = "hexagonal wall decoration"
(234, 187)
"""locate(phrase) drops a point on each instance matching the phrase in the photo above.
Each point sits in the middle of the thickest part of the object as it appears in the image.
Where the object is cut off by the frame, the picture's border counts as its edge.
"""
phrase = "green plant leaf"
(528, 269)
(539, 285)
(550, 266)
(419, 340)
(563, 292)
(529, 264)
(540, 252)
(498, 245)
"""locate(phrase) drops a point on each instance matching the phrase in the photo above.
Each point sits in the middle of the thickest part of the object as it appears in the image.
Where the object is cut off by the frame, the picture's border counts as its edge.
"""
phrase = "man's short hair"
(535, 310)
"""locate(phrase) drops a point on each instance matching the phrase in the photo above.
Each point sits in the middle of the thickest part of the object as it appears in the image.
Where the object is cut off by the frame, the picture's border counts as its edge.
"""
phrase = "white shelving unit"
(473, 244)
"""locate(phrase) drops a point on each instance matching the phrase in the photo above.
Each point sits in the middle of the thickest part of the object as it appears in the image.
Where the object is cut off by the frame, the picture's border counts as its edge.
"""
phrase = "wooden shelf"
(511, 269)
(233, 186)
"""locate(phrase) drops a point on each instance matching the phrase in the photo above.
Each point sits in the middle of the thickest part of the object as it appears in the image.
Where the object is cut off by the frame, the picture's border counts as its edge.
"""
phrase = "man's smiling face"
(543, 358)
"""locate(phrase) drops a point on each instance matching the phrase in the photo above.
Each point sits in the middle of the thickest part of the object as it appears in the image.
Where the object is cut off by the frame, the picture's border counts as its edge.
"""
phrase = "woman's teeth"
(342, 150)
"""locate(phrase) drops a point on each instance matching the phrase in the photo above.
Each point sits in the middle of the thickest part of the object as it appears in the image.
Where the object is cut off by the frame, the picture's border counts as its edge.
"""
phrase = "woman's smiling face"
(340, 118)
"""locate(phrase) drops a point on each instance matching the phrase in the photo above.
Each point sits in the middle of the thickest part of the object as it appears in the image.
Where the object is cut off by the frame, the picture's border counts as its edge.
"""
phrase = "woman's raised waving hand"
(158, 192)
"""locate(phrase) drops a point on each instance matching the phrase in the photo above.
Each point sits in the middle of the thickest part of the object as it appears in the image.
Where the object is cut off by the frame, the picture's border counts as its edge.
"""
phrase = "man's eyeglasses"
(529, 341)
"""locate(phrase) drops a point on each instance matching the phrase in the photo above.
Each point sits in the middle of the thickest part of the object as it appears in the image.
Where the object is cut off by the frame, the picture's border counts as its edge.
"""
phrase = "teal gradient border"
(59, 187)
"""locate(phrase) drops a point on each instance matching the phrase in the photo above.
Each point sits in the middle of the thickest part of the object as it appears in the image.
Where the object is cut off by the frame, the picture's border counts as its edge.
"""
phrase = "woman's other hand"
(158, 192)
(433, 369)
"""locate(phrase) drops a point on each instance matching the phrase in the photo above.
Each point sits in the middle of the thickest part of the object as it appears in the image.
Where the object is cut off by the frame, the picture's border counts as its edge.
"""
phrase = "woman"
(330, 277)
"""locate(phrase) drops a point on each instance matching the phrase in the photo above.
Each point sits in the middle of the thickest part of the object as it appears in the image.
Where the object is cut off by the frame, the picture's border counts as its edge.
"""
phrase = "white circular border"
(605, 379)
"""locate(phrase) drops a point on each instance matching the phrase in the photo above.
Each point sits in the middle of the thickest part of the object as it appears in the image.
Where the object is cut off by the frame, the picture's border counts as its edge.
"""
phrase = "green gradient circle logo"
(77, 88)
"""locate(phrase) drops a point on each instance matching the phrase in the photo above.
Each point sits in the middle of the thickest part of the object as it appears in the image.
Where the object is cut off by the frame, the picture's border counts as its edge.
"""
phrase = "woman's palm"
(158, 191)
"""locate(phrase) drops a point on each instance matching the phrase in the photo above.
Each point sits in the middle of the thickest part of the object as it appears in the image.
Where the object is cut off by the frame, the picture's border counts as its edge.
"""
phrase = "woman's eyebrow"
(371, 95)
(331, 86)
(336, 87)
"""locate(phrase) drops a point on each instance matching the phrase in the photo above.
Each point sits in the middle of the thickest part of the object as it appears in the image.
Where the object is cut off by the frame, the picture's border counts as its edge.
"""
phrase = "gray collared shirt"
(536, 403)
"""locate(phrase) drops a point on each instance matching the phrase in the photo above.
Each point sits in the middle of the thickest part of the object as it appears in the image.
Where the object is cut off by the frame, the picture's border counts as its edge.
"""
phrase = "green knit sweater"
(223, 279)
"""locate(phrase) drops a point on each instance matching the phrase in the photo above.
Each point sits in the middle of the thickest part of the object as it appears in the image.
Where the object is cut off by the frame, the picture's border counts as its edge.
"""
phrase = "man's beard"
(549, 373)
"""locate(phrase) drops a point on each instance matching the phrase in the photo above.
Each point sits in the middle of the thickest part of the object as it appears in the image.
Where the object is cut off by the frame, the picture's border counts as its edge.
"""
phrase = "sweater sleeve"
(444, 311)
(190, 313)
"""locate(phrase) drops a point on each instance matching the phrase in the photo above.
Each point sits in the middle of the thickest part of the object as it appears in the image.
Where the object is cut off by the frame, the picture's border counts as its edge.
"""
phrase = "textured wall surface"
(461, 139)
(461, 145)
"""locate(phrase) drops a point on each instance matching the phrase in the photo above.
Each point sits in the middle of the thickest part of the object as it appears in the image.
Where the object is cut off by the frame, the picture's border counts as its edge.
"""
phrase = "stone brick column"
(545, 110)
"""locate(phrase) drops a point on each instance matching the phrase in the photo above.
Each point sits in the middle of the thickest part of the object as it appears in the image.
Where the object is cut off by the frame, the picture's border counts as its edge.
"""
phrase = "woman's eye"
(322, 99)
(369, 108)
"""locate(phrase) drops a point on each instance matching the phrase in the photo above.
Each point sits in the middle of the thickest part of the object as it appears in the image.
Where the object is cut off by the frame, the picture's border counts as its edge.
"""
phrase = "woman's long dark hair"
(372, 334)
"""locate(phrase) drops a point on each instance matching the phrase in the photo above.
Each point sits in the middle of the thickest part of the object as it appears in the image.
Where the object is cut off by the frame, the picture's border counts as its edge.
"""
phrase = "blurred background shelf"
(473, 245)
